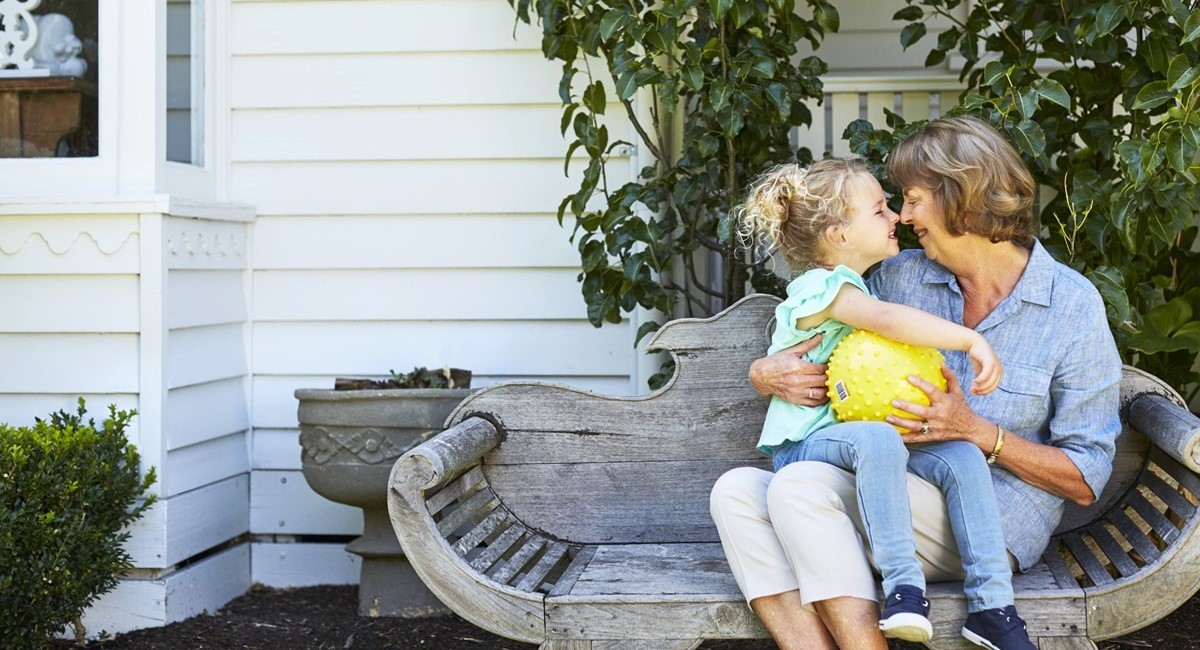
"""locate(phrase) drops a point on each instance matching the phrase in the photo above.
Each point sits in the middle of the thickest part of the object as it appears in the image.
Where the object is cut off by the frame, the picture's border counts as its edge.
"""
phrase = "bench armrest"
(1173, 428)
(445, 455)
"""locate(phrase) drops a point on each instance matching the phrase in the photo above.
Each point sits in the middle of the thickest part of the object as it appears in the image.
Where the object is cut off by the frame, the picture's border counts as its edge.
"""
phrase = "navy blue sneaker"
(906, 615)
(998, 629)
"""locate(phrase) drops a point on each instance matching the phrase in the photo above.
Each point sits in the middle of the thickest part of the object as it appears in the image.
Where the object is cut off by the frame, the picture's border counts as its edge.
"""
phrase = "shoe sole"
(977, 640)
(907, 627)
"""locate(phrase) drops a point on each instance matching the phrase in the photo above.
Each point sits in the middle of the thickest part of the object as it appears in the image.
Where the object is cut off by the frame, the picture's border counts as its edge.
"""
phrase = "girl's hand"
(988, 369)
(948, 416)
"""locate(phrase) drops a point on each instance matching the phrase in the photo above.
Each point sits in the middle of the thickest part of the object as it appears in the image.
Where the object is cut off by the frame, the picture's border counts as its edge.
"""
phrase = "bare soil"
(326, 618)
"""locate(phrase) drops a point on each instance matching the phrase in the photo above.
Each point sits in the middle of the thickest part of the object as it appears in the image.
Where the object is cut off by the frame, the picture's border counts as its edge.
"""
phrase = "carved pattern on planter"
(369, 445)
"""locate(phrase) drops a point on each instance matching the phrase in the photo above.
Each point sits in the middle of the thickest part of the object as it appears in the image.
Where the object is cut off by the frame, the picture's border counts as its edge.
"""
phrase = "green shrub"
(1103, 100)
(67, 494)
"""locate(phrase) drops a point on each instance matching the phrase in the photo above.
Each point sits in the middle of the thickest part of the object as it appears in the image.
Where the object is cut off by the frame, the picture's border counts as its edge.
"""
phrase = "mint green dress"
(808, 294)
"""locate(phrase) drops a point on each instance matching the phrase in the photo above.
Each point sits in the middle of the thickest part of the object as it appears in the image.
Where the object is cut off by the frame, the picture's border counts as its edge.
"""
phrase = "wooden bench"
(580, 521)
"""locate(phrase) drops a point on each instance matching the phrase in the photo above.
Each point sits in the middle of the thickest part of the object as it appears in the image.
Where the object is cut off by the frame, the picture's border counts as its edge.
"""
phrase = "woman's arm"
(950, 418)
(915, 327)
(788, 376)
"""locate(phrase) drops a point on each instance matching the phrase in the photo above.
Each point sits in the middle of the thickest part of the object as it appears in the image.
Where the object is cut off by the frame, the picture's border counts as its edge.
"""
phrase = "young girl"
(833, 220)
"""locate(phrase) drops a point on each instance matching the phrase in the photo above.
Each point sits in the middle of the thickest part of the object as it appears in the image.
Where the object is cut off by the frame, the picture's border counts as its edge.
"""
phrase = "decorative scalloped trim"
(50, 247)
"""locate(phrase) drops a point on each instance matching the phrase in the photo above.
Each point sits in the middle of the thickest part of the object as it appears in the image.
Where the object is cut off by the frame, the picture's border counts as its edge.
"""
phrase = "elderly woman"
(793, 539)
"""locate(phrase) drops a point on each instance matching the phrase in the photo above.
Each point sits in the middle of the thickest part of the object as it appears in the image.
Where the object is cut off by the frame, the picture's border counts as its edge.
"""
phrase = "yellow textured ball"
(867, 371)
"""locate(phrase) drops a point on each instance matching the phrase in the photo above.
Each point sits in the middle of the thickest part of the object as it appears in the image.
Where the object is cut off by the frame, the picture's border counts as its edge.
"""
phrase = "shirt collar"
(1035, 285)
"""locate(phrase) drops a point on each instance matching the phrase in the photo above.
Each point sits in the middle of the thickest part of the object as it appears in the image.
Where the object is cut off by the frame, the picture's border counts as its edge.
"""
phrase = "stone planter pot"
(350, 440)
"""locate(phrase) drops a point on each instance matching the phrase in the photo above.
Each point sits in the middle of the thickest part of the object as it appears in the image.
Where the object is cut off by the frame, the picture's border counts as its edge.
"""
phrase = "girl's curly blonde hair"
(789, 208)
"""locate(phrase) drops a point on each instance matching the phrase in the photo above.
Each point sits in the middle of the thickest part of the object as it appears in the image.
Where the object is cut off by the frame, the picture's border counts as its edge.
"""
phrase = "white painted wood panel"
(283, 565)
(176, 528)
(869, 40)
(19, 409)
(275, 402)
(206, 243)
(367, 242)
(425, 187)
(203, 354)
(197, 298)
(416, 79)
(303, 27)
(275, 449)
(69, 363)
(68, 303)
(208, 462)
(486, 347)
(204, 412)
(207, 585)
(443, 294)
(281, 503)
(409, 133)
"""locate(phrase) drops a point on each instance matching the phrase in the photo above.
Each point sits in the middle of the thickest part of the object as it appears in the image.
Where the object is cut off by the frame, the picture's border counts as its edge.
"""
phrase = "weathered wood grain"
(603, 503)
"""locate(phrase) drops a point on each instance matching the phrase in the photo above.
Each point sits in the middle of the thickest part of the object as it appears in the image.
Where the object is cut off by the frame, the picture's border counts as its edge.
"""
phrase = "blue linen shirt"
(1062, 376)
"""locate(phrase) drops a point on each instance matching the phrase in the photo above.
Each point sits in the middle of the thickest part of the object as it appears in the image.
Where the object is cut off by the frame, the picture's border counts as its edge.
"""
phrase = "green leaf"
(1191, 28)
(764, 68)
(611, 22)
(1053, 91)
(827, 16)
(1181, 72)
(909, 13)
(1108, 16)
(719, 95)
(1152, 94)
(646, 328)
(568, 113)
(693, 77)
(719, 8)
(1029, 138)
(911, 33)
(627, 84)
(594, 97)
(1111, 284)
(1180, 153)
(1168, 318)
(993, 71)
(1027, 101)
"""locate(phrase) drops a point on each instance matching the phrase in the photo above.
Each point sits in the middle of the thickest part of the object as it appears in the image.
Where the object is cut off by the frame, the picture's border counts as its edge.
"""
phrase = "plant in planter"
(350, 437)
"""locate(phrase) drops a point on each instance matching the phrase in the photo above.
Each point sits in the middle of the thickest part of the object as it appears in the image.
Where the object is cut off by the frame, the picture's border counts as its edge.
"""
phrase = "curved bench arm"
(1173, 428)
(445, 455)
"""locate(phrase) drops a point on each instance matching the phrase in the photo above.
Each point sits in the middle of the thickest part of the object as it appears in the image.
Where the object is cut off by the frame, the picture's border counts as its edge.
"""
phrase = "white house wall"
(406, 181)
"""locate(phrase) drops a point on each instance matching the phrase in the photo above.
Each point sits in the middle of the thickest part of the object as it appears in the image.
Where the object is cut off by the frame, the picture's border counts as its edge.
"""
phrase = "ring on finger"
(924, 428)
(810, 393)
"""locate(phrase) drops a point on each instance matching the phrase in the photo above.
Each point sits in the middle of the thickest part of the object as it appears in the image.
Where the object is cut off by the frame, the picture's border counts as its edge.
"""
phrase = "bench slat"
(1186, 477)
(1134, 535)
(1168, 495)
(578, 563)
(455, 489)
(483, 499)
(479, 533)
(1166, 531)
(1086, 559)
(538, 573)
(1117, 555)
(514, 564)
(500, 546)
(1058, 567)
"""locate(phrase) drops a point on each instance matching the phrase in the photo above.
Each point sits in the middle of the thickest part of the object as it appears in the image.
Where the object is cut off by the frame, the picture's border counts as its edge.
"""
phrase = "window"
(185, 81)
(48, 84)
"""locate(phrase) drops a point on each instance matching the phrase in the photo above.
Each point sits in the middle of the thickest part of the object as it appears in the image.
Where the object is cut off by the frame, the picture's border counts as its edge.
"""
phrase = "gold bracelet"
(991, 459)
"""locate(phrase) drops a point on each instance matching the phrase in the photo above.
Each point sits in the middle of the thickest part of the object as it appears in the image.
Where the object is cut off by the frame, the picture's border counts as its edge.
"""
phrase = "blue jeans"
(880, 460)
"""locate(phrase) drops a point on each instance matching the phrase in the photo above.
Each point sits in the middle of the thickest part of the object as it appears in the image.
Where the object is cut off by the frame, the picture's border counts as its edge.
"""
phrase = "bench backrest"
(592, 469)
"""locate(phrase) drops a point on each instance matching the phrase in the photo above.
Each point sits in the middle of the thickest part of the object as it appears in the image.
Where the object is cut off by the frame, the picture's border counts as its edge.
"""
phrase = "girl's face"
(870, 234)
(921, 211)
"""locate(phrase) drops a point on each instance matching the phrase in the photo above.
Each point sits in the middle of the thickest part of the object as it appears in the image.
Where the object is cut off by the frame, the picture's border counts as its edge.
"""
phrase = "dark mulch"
(325, 618)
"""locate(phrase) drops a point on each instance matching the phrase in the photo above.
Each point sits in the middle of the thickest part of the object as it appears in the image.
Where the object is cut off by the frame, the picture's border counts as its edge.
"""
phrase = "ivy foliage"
(67, 497)
(1100, 97)
(712, 89)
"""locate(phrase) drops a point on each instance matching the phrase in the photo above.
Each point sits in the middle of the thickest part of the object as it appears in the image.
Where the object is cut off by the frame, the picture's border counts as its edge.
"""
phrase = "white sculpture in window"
(57, 48)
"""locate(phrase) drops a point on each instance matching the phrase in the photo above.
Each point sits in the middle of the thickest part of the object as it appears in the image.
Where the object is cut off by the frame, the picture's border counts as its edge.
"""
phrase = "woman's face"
(927, 220)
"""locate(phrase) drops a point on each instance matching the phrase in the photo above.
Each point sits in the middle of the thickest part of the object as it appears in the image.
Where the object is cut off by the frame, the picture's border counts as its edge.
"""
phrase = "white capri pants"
(800, 529)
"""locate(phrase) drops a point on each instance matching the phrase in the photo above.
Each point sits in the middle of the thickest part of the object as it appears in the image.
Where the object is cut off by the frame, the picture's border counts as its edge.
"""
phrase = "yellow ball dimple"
(867, 371)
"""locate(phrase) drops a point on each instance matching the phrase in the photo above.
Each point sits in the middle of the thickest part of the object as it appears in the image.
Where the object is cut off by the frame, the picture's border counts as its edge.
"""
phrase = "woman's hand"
(948, 416)
(789, 377)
